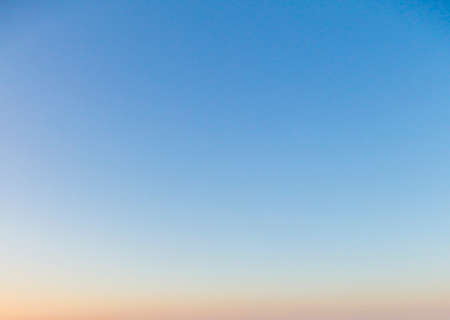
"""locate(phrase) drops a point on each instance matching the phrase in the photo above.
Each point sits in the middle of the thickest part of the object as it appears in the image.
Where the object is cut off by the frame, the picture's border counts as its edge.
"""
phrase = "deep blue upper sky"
(216, 125)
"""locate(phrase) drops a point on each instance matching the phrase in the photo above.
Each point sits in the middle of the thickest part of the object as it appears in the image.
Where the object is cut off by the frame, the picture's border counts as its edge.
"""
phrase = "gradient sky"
(225, 159)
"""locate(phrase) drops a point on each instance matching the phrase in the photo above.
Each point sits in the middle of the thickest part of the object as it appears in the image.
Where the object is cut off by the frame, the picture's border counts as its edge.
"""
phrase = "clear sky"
(225, 159)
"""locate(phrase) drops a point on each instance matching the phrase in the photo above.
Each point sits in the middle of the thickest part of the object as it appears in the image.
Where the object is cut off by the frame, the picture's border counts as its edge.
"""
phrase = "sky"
(194, 160)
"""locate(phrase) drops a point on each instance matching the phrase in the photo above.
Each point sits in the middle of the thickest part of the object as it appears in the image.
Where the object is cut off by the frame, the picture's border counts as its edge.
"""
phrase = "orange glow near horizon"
(324, 307)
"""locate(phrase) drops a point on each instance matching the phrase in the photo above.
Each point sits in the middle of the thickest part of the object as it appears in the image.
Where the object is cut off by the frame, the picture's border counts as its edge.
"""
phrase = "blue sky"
(242, 142)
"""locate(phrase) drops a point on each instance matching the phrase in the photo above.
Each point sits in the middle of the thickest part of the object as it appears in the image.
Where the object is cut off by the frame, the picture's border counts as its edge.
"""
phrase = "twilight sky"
(225, 160)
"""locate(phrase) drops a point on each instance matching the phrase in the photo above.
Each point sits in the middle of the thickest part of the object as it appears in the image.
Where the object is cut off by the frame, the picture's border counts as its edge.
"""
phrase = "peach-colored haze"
(365, 306)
